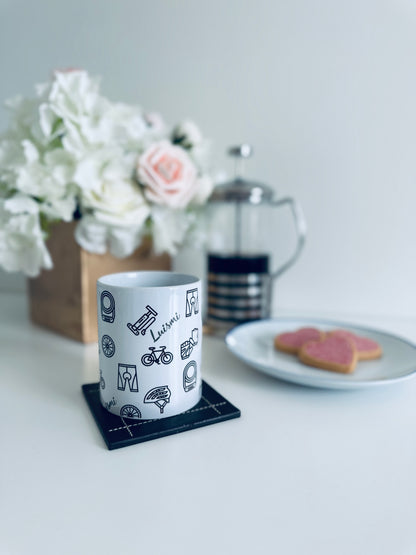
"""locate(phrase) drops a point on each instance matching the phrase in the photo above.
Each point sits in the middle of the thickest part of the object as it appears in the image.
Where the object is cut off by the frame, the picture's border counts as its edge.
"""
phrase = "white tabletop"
(303, 471)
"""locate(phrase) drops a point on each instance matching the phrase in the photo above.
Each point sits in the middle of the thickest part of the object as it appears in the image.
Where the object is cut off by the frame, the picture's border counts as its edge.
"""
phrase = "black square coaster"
(121, 432)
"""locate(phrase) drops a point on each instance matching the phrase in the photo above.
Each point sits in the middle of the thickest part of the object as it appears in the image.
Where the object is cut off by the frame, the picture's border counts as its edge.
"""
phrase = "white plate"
(253, 344)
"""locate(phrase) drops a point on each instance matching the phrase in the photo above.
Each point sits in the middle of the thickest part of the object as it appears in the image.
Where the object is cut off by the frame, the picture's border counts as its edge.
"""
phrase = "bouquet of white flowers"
(69, 153)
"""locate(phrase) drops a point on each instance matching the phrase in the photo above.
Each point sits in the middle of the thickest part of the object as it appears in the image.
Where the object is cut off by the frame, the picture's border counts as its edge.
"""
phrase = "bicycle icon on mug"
(163, 356)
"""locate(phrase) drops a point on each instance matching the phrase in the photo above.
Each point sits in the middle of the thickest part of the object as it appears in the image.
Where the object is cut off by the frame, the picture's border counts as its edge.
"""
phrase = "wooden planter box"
(64, 299)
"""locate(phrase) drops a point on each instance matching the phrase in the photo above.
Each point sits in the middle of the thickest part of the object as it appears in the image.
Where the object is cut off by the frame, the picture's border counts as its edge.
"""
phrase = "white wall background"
(324, 89)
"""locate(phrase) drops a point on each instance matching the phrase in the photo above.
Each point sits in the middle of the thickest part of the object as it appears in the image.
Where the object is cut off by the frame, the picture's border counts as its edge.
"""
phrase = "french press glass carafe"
(240, 249)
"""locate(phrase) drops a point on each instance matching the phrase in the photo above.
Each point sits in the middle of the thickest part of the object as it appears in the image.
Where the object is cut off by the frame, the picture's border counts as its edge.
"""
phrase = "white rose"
(114, 209)
(96, 236)
(187, 134)
(118, 203)
(102, 164)
(91, 235)
(107, 191)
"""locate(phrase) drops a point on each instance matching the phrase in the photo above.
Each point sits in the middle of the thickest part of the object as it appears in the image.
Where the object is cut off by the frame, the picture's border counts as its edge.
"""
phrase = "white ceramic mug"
(149, 340)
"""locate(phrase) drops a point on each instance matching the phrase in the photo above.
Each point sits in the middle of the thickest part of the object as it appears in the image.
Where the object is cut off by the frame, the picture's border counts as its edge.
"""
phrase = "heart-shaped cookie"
(367, 348)
(334, 353)
(292, 341)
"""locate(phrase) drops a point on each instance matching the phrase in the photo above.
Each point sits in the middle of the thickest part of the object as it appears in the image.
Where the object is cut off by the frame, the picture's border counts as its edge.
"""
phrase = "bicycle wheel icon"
(108, 345)
(147, 359)
(166, 358)
(130, 411)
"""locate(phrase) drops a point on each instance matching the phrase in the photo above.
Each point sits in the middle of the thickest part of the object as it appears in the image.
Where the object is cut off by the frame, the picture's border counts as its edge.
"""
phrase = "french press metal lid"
(240, 248)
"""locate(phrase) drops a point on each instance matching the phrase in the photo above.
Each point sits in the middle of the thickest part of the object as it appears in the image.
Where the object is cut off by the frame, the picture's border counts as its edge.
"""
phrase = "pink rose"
(168, 174)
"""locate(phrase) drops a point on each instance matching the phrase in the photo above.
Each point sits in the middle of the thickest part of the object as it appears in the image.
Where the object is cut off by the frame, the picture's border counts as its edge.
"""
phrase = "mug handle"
(300, 225)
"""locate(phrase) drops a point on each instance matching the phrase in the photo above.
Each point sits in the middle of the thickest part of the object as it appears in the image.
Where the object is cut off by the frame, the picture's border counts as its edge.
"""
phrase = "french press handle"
(300, 227)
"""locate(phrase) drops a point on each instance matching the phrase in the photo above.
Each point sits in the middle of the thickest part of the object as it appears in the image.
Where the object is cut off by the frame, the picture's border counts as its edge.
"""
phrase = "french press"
(240, 249)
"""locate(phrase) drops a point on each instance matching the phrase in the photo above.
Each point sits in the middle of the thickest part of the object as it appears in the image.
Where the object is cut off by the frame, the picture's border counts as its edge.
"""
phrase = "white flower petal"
(169, 229)
(188, 134)
(91, 235)
(30, 151)
(204, 188)
(19, 204)
(47, 119)
(123, 242)
(22, 244)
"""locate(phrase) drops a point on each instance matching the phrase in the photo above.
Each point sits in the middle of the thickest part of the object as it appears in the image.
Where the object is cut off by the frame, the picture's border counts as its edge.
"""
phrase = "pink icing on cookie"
(298, 338)
(332, 349)
(362, 344)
